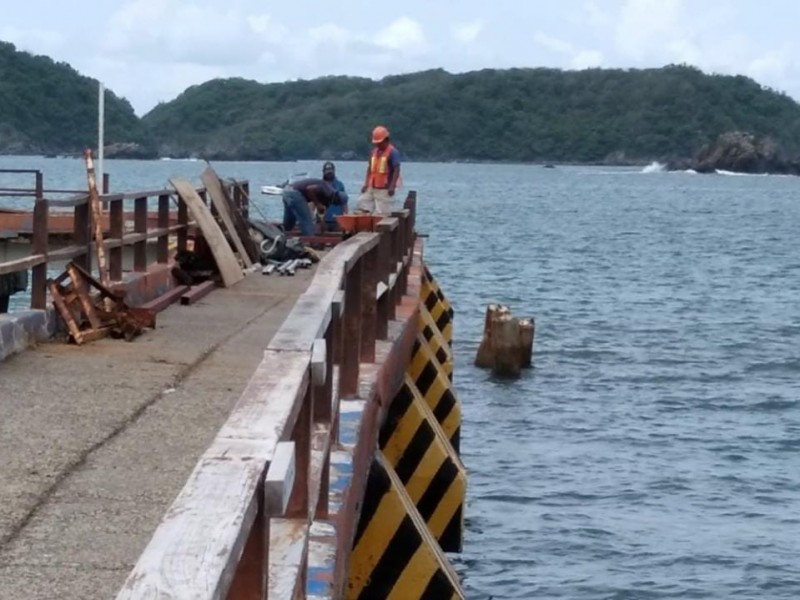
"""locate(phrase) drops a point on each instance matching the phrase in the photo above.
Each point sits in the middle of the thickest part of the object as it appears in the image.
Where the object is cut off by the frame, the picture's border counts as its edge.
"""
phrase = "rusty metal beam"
(198, 292)
(164, 300)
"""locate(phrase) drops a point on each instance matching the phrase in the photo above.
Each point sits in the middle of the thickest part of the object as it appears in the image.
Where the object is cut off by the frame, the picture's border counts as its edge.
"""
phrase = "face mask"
(328, 176)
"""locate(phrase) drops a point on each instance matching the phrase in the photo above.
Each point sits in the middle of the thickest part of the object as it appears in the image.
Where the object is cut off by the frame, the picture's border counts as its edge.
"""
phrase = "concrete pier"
(96, 441)
(282, 438)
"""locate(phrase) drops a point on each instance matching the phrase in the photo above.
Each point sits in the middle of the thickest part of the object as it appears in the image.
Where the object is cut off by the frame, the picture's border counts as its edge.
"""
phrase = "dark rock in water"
(128, 150)
(742, 152)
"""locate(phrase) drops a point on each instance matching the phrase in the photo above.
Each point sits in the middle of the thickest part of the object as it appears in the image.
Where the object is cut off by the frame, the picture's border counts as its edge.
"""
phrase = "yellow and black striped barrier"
(394, 555)
(441, 349)
(414, 444)
(413, 508)
(437, 304)
(437, 390)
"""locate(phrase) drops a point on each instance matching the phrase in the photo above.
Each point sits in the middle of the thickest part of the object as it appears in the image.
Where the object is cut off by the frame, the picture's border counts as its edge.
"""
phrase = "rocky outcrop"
(741, 152)
(128, 150)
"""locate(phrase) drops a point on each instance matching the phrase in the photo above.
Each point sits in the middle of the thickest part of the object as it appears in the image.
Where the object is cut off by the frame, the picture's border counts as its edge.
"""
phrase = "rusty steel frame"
(169, 221)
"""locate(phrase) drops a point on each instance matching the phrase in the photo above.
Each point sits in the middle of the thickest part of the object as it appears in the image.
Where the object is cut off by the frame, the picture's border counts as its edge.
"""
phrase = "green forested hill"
(597, 115)
(48, 107)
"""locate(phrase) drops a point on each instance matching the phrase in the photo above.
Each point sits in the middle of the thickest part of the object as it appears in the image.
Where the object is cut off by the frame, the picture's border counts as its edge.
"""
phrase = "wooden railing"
(240, 527)
(171, 219)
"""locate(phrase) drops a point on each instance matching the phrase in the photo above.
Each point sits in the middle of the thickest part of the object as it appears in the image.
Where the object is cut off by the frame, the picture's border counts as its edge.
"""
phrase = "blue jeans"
(296, 211)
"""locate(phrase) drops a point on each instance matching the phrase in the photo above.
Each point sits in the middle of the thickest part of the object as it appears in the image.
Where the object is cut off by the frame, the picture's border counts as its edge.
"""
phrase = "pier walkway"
(97, 441)
(284, 438)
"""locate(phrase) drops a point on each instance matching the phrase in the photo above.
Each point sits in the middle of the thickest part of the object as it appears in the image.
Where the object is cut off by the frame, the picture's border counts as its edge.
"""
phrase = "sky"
(149, 51)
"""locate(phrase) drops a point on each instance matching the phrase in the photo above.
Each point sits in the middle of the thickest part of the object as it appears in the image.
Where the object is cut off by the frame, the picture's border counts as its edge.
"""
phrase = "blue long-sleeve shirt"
(341, 207)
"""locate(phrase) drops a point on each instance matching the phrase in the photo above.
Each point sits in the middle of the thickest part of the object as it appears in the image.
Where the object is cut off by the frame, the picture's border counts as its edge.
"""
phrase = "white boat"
(271, 190)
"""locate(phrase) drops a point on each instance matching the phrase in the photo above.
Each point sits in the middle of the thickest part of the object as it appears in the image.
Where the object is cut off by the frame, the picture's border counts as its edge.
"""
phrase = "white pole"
(101, 105)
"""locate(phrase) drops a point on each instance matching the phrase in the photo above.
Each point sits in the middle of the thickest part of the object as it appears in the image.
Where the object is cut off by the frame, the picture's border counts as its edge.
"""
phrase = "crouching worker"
(303, 200)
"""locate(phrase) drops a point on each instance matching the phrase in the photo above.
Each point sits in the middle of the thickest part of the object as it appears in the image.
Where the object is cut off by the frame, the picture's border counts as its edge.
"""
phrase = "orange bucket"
(355, 223)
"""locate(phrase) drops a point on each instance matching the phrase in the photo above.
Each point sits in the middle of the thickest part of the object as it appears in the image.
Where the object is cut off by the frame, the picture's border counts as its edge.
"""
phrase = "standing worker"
(298, 199)
(383, 174)
(329, 175)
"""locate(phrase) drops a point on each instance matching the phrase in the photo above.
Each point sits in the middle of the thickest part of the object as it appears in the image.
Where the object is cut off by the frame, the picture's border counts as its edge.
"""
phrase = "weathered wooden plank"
(195, 550)
(307, 321)
(387, 224)
(319, 476)
(318, 365)
(351, 333)
(288, 553)
(364, 242)
(223, 254)
(338, 302)
(280, 480)
(312, 312)
(238, 211)
(214, 189)
(22, 264)
(269, 405)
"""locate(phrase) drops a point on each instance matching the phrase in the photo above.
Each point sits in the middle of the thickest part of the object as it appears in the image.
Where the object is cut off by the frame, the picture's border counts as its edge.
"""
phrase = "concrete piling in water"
(507, 344)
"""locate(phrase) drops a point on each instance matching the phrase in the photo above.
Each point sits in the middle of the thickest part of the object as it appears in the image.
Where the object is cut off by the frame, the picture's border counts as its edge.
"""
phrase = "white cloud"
(577, 58)
(468, 32)
(552, 43)
(172, 30)
(647, 25)
(36, 41)
(586, 59)
(330, 33)
(596, 16)
(404, 35)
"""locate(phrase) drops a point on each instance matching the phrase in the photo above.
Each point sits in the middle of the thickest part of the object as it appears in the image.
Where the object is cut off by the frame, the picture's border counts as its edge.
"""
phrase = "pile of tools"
(287, 267)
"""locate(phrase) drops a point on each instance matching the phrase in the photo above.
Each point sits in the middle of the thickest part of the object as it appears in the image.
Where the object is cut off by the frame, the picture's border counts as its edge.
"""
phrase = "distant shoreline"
(539, 163)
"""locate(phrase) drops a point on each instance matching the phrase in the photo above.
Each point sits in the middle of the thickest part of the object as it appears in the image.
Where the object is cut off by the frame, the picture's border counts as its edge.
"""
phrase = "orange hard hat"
(379, 134)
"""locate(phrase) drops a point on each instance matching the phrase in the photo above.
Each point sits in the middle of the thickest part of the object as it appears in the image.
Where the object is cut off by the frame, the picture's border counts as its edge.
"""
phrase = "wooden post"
(369, 308)
(140, 226)
(394, 254)
(162, 246)
(183, 219)
(348, 375)
(39, 246)
(336, 349)
(250, 579)
(403, 241)
(97, 218)
(116, 227)
(322, 377)
(80, 233)
(245, 207)
(301, 436)
(384, 269)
